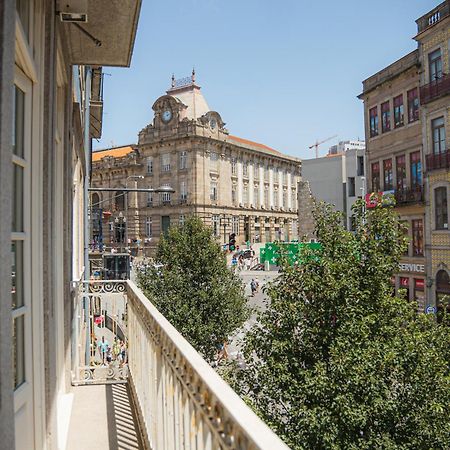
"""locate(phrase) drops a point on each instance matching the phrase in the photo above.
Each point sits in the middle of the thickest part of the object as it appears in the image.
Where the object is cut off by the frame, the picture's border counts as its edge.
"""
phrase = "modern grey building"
(337, 178)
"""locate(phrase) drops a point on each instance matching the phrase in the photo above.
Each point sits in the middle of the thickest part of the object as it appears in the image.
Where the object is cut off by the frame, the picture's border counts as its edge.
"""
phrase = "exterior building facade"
(337, 178)
(406, 108)
(50, 108)
(433, 40)
(235, 185)
(395, 160)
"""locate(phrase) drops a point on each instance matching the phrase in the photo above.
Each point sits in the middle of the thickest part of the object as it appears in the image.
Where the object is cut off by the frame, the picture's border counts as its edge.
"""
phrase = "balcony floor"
(102, 418)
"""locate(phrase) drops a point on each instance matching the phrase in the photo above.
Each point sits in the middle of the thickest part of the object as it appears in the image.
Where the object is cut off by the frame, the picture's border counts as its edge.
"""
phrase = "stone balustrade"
(181, 401)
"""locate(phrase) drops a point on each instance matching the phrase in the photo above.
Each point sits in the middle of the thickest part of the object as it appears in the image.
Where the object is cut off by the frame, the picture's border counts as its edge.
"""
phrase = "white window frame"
(213, 192)
(235, 225)
(233, 166)
(166, 197)
(183, 160)
(149, 198)
(214, 161)
(150, 165)
(149, 226)
(165, 162)
(183, 190)
(23, 394)
(215, 221)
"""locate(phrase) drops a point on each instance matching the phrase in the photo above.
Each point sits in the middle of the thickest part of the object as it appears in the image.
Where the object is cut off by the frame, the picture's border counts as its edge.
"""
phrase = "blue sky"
(283, 73)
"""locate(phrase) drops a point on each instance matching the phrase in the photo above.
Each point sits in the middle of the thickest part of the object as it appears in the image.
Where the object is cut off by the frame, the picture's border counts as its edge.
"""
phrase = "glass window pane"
(17, 299)
(18, 126)
(23, 9)
(19, 351)
(17, 212)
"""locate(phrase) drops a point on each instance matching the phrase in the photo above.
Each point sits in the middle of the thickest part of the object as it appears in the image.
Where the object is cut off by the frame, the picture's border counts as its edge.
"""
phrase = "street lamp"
(225, 219)
(131, 177)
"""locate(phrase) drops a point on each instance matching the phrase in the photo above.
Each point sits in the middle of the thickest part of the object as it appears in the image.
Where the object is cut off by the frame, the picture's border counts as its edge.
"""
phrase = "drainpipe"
(87, 175)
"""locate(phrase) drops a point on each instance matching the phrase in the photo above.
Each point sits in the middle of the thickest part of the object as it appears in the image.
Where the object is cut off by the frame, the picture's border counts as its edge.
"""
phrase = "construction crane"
(321, 142)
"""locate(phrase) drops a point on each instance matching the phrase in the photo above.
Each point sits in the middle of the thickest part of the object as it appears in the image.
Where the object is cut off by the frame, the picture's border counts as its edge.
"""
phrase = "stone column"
(272, 229)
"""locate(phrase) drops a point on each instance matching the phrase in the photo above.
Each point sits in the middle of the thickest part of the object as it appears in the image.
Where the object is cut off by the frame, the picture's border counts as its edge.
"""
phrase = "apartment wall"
(326, 179)
(7, 40)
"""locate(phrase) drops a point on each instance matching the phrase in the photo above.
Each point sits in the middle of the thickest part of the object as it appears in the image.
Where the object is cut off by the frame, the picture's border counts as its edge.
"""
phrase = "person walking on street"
(103, 348)
(222, 353)
(253, 286)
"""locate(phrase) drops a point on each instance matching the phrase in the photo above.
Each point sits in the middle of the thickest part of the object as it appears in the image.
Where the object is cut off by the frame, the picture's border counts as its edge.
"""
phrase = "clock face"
(213, 123)
(166, 115)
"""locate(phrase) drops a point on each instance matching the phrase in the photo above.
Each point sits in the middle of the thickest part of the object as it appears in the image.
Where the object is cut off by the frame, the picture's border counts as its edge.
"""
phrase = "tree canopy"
(336, 361)
(194, 289)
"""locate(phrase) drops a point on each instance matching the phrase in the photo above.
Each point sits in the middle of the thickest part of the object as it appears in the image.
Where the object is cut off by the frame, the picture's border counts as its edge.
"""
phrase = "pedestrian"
(123, 352)
(103, 348)
(108, 355)
(222, 351)
(116, 348)
(253, 287)
(257, 284)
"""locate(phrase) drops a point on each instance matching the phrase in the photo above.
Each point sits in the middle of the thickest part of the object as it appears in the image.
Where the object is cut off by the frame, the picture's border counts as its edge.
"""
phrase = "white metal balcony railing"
(181, 401)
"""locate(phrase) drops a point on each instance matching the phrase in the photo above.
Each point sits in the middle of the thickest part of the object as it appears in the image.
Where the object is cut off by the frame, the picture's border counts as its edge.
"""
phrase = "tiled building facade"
(406, 120)
(434, 40)
(234, 185)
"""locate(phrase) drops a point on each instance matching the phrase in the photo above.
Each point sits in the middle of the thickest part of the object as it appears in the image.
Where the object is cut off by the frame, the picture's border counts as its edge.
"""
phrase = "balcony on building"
(96, 104)
(409, 195)
(436, 89)
(433, 17)
(163, 395)
(436, 161)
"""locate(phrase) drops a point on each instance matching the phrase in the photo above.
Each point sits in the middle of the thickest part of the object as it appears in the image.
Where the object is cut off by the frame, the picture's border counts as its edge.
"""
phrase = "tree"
(194, 289)
(336, 361)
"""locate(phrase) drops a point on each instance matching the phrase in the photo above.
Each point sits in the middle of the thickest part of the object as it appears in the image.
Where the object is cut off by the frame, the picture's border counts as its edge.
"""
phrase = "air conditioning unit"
(72, 10)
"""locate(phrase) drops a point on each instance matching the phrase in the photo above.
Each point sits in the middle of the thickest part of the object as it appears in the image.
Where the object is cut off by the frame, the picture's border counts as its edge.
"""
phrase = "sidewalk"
(102, 419)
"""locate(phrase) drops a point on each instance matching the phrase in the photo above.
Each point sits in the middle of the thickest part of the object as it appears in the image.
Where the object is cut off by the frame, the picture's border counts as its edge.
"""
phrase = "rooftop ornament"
(182, 82)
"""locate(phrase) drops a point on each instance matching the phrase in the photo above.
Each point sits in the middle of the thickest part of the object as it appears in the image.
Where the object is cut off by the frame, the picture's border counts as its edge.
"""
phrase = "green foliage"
(336, 362)
(194, 289)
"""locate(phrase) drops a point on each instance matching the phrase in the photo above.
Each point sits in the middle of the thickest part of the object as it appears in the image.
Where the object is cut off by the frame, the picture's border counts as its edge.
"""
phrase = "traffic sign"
(430, 309)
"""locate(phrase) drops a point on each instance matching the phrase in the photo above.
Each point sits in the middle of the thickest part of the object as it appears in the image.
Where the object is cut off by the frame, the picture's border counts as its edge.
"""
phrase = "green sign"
(290, 250)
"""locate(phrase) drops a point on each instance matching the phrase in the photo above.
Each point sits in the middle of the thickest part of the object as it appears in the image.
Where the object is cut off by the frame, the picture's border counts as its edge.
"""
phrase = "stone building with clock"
(235, 185)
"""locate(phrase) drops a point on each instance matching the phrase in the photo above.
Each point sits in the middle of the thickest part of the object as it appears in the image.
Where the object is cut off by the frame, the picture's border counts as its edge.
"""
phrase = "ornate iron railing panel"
(102, 321)
(409, 195)
(436, 161)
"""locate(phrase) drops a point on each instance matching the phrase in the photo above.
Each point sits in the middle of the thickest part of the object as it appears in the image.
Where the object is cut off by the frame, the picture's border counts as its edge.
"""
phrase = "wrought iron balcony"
(437, 161)
(435, 89)
(409, 195)
(179, 401)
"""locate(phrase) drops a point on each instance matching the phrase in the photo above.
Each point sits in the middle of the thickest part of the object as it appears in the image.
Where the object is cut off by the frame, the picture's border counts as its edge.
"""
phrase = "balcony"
(409, 195)
(160, 394)
(435, 89)
(436, 161)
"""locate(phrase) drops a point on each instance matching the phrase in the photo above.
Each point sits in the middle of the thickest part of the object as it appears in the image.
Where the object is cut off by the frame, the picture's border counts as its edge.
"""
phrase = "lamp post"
(225, 221)
(131, 177)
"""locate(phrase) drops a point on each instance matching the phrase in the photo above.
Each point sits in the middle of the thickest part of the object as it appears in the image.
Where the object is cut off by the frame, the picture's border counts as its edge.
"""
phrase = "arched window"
(95, 201)
(119, 200)
(442, 291)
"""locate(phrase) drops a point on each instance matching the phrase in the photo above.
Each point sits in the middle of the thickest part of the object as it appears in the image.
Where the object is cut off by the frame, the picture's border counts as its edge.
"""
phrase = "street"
(258, 302)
